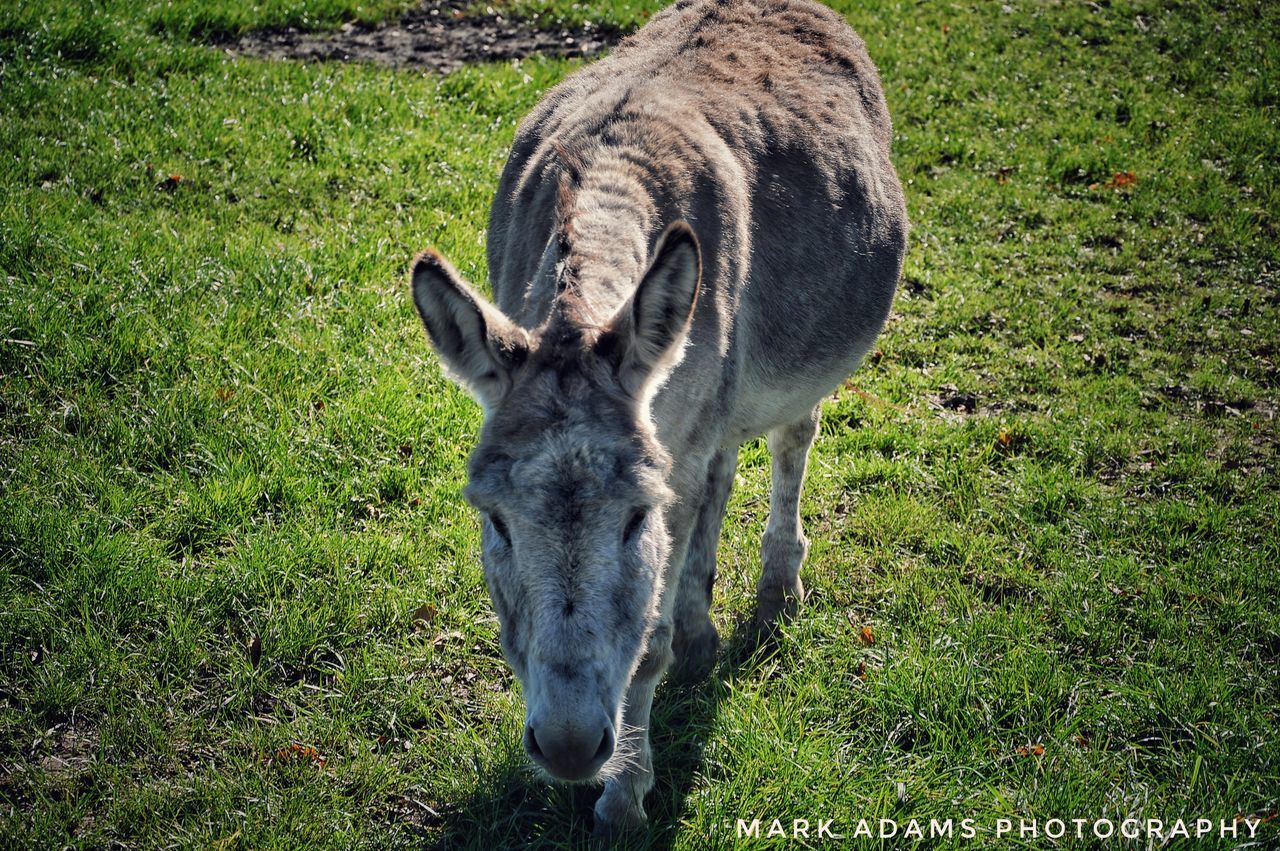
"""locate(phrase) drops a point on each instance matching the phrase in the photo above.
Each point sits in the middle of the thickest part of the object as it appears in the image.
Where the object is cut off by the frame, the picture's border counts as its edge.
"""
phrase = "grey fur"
(693, 241)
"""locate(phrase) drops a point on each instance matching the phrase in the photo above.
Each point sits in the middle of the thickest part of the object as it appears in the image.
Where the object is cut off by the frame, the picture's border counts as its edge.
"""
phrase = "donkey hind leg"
(784, 546)
(695, 642)
(620, 807)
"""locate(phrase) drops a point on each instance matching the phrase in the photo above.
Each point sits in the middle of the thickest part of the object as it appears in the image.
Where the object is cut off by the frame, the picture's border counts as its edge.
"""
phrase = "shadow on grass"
(513, 808)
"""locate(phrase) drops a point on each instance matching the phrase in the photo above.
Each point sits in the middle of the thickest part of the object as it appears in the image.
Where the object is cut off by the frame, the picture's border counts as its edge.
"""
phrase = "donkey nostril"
(531, 741)
(606, 746)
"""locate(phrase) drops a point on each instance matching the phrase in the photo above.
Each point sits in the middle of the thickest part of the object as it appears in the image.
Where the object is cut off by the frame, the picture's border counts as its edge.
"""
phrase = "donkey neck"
(607, 218)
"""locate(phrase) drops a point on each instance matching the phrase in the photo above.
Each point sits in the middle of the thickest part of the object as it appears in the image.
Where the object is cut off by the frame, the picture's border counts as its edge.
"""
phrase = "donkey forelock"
(566, 414)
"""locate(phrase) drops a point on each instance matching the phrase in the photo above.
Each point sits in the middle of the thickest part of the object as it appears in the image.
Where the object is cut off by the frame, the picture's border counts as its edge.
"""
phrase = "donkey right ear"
(480, 347)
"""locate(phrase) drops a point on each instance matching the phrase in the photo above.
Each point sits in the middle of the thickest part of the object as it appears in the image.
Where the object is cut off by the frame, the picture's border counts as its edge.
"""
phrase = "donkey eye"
(500, 527)
(634, 524)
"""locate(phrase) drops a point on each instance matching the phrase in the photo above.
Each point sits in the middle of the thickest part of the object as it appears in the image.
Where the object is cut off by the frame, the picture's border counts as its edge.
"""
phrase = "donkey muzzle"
(570, 749)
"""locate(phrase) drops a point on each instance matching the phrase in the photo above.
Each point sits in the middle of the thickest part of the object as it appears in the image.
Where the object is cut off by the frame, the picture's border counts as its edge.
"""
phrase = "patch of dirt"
(422, 818)
(441, 36)
(950, 399)
(1204, 402)
(66, 750)
(55, 763)
(996, 589)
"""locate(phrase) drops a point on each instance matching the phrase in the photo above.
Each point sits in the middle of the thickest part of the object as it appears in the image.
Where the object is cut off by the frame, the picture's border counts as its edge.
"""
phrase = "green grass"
(229, 466)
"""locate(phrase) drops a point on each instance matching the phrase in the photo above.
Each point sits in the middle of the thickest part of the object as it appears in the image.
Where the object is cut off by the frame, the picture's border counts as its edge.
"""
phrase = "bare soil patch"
(441, 36)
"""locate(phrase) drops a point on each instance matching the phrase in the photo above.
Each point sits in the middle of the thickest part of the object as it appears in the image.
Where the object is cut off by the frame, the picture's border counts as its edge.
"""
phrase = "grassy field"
(240, 597)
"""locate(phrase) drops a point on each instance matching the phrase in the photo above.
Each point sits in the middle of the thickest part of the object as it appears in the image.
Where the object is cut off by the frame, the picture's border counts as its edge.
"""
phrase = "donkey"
(693, 241)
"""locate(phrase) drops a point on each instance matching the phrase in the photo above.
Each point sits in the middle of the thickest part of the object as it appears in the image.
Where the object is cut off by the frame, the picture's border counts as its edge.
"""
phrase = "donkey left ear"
(480, 347)
(646, 339)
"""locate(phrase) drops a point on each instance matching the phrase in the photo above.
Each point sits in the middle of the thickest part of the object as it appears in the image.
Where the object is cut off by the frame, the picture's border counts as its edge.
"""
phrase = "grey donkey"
(693, 241)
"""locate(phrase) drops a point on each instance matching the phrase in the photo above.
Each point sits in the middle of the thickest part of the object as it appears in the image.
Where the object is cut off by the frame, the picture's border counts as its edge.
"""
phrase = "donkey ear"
(646, 339)
(480, 347)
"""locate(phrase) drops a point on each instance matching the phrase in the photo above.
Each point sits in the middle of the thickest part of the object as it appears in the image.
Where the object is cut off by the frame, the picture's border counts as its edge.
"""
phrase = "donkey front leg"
(621, 804)
(783, 549)
(696, 640)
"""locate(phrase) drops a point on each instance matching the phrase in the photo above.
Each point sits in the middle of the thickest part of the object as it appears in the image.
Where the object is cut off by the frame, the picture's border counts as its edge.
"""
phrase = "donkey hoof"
(606, 836)
(777, 604)
(613, 829)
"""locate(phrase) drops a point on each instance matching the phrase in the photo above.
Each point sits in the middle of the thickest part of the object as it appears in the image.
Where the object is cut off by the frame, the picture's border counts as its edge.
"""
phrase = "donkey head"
(571, 484)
